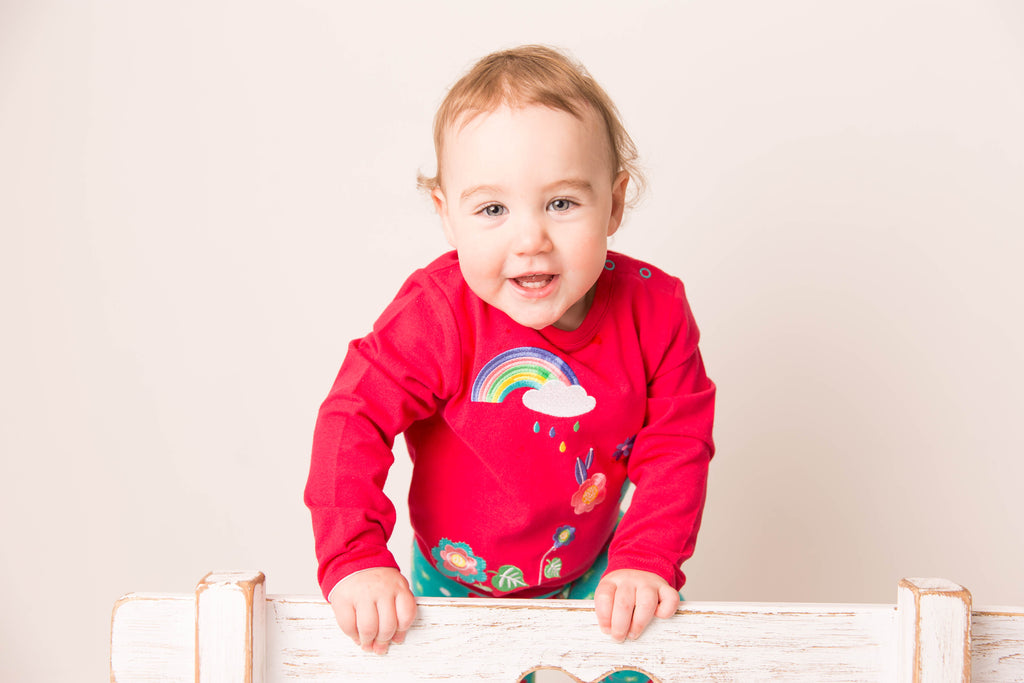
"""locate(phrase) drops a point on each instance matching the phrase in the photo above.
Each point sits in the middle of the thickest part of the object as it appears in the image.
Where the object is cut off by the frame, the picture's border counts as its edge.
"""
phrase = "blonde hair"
(534, 74)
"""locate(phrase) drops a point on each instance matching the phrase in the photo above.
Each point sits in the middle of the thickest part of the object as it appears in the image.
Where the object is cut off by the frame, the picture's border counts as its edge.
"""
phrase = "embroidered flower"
(564, 535)
(458, 561)
(590, 494)
(625, 448)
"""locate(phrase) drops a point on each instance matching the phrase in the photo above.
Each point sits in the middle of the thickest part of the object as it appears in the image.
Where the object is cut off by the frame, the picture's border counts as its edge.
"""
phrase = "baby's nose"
(532, 237)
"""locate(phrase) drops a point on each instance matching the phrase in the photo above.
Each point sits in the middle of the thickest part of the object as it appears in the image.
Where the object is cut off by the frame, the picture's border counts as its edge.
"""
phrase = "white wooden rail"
(229, 631)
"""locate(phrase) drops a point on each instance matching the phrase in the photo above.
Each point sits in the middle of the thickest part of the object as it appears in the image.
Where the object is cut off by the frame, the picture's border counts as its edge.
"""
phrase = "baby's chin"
(533, 321)
(540, 321)
(535, 318)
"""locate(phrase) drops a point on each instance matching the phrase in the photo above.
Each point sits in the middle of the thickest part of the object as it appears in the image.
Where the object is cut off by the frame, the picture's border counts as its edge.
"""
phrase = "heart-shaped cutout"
(547, 674)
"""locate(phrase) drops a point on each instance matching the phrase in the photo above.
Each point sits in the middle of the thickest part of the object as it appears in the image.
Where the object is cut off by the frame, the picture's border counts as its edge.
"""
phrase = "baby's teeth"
(533, 281)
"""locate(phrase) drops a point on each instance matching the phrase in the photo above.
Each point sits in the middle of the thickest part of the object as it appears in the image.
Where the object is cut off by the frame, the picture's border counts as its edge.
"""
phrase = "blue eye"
(561, 204)
(493, 210)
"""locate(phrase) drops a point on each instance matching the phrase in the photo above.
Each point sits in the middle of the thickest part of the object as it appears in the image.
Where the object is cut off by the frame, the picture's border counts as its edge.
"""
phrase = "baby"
(533, 373)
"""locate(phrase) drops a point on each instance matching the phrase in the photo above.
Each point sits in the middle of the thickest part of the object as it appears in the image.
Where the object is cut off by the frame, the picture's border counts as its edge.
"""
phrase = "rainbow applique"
(526, 366)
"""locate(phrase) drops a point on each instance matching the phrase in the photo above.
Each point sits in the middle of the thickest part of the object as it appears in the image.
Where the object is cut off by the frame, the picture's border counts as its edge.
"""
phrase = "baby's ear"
(618, 201)
(441, 206)
(439, 203)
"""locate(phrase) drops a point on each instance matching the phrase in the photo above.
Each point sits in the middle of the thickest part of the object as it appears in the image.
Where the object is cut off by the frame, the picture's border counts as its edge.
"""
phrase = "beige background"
(201, 202)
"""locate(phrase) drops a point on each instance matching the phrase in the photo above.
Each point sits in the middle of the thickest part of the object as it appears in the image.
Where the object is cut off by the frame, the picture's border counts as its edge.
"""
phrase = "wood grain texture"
(230, 628)
(934, 631)
(997, 645)
(495, 640)
(153, 639)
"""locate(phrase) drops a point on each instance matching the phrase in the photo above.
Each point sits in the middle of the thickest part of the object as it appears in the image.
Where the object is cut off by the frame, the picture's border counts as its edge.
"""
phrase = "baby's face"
(529, 200)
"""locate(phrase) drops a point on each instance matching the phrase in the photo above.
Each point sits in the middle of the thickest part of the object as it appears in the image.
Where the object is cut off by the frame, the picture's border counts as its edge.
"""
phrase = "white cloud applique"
(559, 400)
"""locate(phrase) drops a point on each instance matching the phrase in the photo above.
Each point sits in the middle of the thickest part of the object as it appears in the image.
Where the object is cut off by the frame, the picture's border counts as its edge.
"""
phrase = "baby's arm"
(394, 376)
(374, 608)
(669, 465)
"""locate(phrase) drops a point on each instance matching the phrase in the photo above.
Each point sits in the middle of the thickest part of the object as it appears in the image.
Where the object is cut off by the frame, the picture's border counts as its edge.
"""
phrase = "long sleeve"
(398, 374)
(669, 459)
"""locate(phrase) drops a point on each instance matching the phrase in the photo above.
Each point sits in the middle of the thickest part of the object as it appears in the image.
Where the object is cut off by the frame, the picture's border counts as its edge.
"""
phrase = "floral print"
(508, 578)
(624, 449)
(564, 535)
(458, 561)
(592, 490)
(552, 569)
(590, 494)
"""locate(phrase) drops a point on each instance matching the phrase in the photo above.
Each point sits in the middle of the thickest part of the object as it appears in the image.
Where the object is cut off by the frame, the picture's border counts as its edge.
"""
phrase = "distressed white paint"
(945, 638)
(934, 631)
(906, 647)
(495, 640)
(997, 644)
(152, 639)
(230, 628)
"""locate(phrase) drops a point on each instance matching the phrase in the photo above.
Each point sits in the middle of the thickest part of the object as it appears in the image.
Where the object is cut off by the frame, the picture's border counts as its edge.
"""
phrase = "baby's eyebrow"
(477, 189)
(577, 184)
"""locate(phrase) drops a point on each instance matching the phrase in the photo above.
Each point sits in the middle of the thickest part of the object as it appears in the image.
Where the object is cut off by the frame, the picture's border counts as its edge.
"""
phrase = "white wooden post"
(934, 631)
(231, 628)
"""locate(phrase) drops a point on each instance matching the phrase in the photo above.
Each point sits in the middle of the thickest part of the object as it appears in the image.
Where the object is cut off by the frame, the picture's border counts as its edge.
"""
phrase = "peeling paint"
(153, 638)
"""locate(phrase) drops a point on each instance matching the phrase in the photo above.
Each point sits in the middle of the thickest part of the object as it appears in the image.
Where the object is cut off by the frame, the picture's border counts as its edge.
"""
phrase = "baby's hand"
(374, 608)
(627, 600)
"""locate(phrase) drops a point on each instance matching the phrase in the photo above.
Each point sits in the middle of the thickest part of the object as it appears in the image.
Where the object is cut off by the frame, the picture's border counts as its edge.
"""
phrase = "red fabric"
(494, 490)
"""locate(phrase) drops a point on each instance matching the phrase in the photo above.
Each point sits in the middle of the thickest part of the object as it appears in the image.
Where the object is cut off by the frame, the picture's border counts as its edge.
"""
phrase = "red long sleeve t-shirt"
(521, 439)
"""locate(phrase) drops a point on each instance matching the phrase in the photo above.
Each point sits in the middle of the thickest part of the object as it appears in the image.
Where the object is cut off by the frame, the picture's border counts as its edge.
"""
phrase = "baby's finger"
(366, 622)
(387, 624)
(643, 611)
(604, 599)
(668, 601)
(622, 613)
(345, 615)
(405, 608)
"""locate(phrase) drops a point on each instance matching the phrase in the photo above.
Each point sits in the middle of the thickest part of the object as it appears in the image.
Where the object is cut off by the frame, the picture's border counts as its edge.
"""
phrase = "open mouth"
(534, 281)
